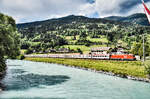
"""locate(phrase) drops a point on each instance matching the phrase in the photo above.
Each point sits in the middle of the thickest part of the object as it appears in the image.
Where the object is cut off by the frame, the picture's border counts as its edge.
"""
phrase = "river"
(35, 80)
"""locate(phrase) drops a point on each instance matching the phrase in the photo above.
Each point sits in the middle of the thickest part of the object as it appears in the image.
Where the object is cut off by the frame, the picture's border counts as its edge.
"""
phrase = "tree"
(79, 51)
(137, 49)
(9, 40)
(112, 38)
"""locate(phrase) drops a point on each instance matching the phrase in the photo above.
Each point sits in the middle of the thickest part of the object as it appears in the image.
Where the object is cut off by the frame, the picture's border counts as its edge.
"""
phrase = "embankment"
(2, 68)
(133, 70)
(2, 71)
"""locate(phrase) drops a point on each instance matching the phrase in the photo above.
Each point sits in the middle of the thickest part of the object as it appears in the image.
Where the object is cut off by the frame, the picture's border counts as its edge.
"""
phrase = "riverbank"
(133, 70)
(2, 68)
(2, 72)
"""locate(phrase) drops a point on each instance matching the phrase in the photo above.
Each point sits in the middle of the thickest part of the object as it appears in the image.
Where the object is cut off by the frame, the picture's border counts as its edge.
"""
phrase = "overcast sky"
(34, 10)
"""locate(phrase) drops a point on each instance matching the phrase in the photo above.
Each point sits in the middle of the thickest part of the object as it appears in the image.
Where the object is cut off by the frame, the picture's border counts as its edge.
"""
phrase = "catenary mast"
(147, 12)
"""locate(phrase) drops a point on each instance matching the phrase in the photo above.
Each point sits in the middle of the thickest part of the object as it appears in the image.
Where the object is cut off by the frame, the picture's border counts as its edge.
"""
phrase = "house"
(100, 50)
(121, 51)
(63, 50)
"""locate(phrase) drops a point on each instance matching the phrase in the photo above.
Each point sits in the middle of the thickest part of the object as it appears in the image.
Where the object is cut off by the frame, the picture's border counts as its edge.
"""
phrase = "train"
(112, 56)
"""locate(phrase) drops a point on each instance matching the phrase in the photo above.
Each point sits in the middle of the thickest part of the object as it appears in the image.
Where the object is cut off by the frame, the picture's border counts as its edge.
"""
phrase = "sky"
(34, 10)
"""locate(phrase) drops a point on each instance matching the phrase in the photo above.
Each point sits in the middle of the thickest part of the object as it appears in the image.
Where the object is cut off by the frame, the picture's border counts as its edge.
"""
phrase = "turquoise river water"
(35, 80)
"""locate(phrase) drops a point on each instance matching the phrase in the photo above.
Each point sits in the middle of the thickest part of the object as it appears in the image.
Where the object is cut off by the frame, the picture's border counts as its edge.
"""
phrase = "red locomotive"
(122, 57)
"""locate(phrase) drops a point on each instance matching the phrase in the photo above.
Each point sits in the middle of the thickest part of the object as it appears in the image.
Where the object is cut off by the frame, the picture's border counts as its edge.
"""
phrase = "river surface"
(35, 80)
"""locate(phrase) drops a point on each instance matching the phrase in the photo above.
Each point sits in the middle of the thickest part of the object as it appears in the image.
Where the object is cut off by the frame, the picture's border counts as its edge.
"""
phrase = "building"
(63, 50)
(100, 50)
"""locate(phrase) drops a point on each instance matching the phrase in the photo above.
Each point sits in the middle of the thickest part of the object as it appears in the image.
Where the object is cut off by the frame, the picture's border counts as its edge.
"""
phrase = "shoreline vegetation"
(9, 42)
(2, 68)
(133, 70)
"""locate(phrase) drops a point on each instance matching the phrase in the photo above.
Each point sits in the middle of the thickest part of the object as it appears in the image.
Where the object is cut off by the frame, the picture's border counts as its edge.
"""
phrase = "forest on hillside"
(79, 33)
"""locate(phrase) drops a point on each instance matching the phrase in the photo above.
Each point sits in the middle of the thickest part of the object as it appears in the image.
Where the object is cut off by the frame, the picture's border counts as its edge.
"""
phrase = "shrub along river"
(35, 80)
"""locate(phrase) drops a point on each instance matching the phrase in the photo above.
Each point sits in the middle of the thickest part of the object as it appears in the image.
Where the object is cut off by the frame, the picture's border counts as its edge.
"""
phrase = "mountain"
(138, 18)
(81, 30)
(69, 26)
(69, 19)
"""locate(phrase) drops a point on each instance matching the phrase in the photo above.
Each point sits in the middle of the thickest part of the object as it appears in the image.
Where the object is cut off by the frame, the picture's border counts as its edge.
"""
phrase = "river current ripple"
(35, 80)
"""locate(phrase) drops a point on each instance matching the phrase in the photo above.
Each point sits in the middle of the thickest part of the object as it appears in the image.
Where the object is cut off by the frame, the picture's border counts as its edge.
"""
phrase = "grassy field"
(102, 39)
(132, 68)
(147, 63)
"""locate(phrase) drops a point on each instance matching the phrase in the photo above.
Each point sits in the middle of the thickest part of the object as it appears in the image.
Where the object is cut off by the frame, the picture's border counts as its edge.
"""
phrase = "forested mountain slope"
(80, 30)
(138, 18)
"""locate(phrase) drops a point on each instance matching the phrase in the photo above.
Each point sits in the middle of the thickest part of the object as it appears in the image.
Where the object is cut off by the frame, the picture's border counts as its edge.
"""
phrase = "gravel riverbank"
(117, 75)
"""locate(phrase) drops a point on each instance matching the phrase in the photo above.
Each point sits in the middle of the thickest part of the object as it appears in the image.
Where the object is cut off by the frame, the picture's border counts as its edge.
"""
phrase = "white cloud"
(139, 8)
(108, 7)
(33, 10)
(114, 8)
(38, 9)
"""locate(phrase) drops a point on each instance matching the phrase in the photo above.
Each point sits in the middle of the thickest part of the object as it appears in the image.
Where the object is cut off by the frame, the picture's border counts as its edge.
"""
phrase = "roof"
(100, 49)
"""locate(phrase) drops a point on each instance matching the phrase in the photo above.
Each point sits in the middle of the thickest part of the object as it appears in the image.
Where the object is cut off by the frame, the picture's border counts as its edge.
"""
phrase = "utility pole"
(147, 12)
(143, 48)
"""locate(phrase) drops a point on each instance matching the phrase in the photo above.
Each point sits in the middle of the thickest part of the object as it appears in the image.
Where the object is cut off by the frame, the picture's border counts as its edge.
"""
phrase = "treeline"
(53, 33)
(9, 40)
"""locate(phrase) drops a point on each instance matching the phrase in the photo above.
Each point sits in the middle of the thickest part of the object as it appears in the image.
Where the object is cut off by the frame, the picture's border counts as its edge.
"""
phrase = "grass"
(23, 51)
(132, 68)
(102, 39)
(147, 62)
(147, 66)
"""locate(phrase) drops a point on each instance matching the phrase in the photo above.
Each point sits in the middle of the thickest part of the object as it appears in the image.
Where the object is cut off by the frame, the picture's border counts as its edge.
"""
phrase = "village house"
(100, 50)
(63, 50)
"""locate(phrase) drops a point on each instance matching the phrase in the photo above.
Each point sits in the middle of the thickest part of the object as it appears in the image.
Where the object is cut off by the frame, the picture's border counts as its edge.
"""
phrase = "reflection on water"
(34, 98)
(17, 71)
(14, 65)
(22, 81)
(2, 86)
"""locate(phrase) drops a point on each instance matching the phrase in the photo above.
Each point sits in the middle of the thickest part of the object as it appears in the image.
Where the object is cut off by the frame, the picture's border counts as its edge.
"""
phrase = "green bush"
(22, 57)
(147, 67)
(29, 51)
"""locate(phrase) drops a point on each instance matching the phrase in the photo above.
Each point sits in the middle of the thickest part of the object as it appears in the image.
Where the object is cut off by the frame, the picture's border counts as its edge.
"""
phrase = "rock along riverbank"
(113, 74)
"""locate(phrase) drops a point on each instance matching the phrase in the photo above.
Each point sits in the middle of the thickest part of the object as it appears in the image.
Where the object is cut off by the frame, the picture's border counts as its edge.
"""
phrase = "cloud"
(42, 9)
(107, 7)
(33, 10)
(138, 8)
(118, 7)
